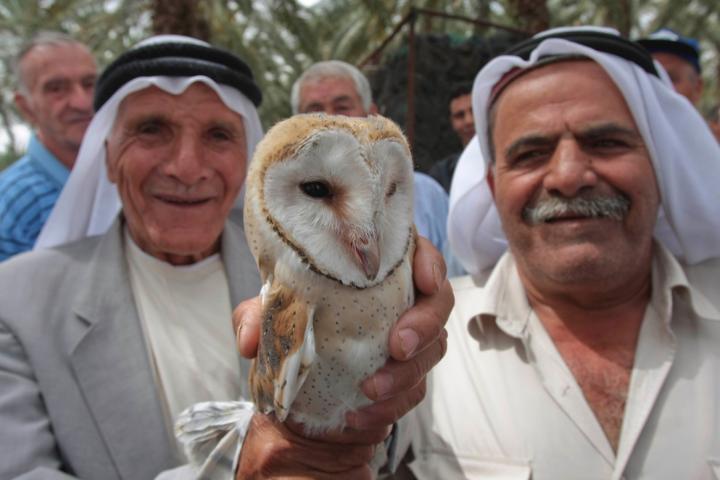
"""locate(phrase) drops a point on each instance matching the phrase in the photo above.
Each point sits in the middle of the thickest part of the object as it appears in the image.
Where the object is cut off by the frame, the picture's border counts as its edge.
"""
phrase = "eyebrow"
(342, 98)
(608, 129)
(143, 117)
(590, 133)
(57, 79)
(534, 140)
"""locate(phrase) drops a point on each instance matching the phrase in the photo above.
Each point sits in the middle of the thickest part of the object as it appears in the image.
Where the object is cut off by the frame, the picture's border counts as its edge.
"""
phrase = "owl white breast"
(328, 216)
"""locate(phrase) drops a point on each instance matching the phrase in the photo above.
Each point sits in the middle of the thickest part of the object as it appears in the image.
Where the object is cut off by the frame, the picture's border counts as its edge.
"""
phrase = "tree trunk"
(483, 13)
(181, 17)
(621, 16)
(8, 124)
(532, 15)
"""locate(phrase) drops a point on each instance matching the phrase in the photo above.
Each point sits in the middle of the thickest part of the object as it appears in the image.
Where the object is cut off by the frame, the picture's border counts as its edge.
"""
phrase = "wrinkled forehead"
(49, 51)
(545, 83)
(156, 102)
(52, 58)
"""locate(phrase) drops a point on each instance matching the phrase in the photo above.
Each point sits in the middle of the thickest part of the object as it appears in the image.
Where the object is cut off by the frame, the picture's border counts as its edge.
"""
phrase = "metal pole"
(410, 114)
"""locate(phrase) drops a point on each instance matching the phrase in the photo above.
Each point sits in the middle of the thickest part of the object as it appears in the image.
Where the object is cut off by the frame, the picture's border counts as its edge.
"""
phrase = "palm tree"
(182, 17)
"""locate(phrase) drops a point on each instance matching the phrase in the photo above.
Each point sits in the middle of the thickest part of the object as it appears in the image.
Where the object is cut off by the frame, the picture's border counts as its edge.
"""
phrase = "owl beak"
(367, 253)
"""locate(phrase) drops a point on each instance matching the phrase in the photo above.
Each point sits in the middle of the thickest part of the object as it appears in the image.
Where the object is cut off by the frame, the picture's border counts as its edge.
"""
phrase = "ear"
(699, 85)
(491, 180)
(23, 105)
(373, 110)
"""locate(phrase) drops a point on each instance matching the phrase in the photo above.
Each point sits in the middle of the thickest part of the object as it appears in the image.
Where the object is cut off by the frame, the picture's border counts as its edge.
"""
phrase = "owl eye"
(393, 188)
(316, 189)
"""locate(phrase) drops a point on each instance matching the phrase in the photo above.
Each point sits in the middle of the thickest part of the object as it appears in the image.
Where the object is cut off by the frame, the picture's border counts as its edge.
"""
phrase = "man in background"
(55, 80)
(461, 119)
(680, 57)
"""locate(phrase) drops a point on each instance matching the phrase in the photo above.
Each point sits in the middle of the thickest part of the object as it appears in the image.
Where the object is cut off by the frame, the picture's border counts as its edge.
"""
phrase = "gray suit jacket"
(77, 393)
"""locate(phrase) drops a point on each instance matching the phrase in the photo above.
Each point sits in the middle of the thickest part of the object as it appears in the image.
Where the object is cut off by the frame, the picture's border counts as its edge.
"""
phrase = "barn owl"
(328, 216)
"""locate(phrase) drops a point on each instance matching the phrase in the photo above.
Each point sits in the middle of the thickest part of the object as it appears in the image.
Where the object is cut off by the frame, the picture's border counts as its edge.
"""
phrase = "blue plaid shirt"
(29, 189)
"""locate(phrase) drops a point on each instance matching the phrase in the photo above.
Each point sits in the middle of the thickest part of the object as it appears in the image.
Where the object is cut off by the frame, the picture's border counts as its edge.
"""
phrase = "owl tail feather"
(295, 370)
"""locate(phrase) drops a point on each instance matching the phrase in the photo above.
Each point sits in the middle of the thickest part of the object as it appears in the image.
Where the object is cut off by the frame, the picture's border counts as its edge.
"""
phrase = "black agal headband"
(177, 59)
(597, 40)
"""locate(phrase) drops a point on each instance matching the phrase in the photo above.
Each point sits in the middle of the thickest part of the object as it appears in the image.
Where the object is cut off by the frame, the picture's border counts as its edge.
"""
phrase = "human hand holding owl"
(277, 448)
(328, 214)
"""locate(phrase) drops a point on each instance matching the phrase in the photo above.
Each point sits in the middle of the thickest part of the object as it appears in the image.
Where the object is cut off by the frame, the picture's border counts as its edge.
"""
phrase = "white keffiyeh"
(89, 203)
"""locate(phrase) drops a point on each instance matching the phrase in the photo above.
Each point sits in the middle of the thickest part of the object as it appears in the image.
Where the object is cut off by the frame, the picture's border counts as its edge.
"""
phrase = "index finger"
(247, 319)
(422, 324)
(429, 269)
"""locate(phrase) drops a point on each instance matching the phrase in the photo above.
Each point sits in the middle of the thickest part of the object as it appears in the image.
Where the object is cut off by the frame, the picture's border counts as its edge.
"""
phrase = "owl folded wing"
(286, 350)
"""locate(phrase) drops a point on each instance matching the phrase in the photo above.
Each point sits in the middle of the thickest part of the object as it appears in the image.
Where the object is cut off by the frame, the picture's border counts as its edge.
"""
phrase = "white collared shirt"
(503, 404)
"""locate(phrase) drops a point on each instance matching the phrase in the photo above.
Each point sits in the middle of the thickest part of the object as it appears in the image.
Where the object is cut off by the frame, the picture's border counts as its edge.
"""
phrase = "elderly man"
(591, 352)
(338, 88)
(134, 324)
(55, 77)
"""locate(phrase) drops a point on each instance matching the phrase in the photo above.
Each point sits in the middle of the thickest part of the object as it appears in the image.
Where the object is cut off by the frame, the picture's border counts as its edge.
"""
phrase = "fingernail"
(352, 419)
(408, 341)
(237, 332)
(382, 382)
(438, 276)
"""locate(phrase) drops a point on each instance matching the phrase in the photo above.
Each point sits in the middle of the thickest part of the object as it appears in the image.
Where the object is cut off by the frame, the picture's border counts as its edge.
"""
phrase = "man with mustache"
(56, 77)
(593, 350)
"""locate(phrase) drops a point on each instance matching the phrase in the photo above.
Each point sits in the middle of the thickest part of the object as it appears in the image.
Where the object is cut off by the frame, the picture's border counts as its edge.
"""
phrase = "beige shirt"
(186, 315)
(502, 404)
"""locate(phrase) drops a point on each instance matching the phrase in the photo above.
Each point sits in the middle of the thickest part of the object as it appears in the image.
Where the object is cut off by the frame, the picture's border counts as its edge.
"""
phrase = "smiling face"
(556, 144)
(59, 81)
(178, 163)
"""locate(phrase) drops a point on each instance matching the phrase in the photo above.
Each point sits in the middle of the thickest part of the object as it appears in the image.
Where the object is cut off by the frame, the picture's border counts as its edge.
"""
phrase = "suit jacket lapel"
(113, 370)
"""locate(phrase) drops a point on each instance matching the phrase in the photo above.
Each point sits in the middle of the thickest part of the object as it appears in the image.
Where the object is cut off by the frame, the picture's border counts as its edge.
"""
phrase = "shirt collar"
(136, 255)
(670, 280)
(46, 161)
(503, 298)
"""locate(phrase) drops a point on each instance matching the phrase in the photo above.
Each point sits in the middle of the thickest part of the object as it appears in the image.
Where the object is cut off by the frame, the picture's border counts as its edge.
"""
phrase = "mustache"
(78, 116)
(613, 207)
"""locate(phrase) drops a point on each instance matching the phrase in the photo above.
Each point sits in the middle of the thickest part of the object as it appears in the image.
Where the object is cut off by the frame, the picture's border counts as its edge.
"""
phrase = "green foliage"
(280, 38)
(7, 158)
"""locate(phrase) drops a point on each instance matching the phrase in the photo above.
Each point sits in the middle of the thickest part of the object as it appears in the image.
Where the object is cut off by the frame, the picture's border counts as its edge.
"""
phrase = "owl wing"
(286, 350)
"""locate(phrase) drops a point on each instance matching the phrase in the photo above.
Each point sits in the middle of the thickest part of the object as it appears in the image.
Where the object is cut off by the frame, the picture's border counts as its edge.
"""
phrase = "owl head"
(334, 193)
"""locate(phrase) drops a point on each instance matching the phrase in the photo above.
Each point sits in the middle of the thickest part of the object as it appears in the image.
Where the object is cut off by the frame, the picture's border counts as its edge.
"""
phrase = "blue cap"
(669, 41)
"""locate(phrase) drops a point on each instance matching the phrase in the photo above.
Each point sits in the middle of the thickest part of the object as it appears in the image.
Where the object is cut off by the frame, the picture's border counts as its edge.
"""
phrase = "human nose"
(468, 118)
(81, 98)
(186, 161)
(570, 169)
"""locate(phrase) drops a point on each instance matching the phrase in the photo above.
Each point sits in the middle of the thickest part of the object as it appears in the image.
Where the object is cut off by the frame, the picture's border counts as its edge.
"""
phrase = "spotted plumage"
(328, 216)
